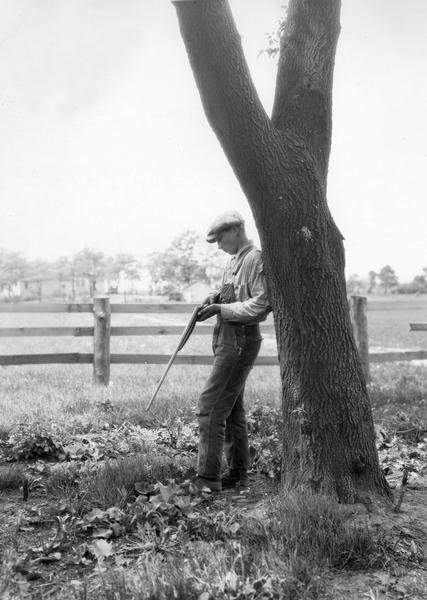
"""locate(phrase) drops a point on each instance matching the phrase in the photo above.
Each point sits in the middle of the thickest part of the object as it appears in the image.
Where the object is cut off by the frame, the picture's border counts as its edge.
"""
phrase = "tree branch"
(303, 101)
(228, 94)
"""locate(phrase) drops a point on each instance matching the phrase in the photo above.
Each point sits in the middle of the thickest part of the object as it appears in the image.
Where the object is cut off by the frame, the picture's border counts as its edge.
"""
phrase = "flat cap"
(223, 222)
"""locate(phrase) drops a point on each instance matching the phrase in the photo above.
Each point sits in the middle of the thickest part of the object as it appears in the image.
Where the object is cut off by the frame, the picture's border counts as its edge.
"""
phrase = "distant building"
(142, 285)
(29, 289)
(195, 292)
(9, 293)
(64, 289)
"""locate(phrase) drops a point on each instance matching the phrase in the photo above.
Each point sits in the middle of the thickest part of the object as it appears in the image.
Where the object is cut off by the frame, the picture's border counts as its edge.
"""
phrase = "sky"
(105, 143)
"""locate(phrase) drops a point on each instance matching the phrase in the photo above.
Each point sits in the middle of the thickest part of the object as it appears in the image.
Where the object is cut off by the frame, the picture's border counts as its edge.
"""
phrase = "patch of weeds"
(393, 389)
(264, 425)
(32, 441)
(312, 527)
(155, 579)
(113, 483)
(179, 435)
(4, 432)
(11, 478)
(9, 587)
(263, 420)
(206, 572)
(411, 429)
(64, 478)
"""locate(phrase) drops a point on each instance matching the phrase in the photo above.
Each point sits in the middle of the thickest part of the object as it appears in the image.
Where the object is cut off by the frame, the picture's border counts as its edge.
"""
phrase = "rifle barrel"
(182, 341)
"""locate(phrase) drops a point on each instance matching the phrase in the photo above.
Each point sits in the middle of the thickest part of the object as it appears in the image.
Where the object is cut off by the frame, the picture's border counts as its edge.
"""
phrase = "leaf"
(95, 514)
(232, 580)
(384, 578)
(145, 489)
(102, 533)
(183, 502)
(234, 528)
(167, 491)
(54, 557)
(114, 513)
(102, 549)
(121, 560)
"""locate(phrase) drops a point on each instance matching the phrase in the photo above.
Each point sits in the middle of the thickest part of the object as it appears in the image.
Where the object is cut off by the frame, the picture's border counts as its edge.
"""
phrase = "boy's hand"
(206, 312)
(208, 300)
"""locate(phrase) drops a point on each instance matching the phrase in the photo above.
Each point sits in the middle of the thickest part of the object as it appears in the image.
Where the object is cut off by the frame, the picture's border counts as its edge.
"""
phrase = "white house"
(53, 288)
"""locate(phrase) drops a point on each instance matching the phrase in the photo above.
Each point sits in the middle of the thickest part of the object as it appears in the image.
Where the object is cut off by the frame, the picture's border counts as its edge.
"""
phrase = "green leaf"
(95, 514)
(102, 533)
(101, 549)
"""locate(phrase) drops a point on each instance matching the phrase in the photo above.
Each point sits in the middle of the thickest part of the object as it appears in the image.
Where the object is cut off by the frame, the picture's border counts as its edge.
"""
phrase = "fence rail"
(101, 358)
(87, 307)
(134, 330)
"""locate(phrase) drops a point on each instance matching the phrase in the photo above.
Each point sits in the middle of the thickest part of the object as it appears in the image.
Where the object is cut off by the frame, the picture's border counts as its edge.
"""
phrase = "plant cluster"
(117, 512)
(264, 425)
(34, 441)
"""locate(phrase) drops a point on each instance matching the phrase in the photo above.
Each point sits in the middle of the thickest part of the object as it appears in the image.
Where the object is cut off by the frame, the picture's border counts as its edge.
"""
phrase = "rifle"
(184, 338)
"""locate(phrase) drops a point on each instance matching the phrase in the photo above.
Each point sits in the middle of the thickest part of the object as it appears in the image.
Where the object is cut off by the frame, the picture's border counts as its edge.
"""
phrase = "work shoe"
(235, 479)
(213, 484)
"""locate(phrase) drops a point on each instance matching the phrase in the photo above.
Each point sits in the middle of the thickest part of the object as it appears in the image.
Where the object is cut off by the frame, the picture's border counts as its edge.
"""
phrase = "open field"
(58, 390)
(389, 318)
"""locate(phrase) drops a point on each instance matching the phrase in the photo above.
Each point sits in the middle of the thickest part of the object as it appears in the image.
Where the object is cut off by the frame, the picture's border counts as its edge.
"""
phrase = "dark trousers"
(222, 419)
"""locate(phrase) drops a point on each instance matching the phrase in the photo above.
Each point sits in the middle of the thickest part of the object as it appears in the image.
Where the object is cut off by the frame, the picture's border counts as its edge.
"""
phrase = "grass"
(399, 391)
(11, 477)
(389, 318)
(221, 552)
(314, 528)
(113, 484)
(283, 555)
(66, 396)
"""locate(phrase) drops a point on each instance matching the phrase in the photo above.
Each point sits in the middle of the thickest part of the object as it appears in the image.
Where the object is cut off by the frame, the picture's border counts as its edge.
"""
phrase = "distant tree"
(38, 269)
(122, 265)
(388, 279)
(356, 285)
(12, 269)
(125, 264)
(419, 284)
(91, 263)
(372, 281)
(213, 262)
(65, 270)
(180, 263)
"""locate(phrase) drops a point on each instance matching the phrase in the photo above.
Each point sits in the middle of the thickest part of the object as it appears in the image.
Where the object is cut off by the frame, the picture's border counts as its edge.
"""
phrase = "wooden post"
(101, 341)
(359, 320)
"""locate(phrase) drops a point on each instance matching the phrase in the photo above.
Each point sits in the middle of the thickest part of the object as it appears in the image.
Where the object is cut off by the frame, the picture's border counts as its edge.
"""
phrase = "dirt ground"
(400, 583)
(34, 523)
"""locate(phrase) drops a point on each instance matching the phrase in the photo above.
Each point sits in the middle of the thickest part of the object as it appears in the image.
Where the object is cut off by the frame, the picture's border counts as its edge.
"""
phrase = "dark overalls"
(222, 419)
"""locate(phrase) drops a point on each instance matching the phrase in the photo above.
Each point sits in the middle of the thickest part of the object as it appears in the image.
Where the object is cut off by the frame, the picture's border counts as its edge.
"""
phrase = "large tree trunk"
(281, 164)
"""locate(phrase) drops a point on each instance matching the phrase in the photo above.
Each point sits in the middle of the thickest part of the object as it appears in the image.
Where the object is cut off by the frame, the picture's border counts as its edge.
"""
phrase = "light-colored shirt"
(245, 271)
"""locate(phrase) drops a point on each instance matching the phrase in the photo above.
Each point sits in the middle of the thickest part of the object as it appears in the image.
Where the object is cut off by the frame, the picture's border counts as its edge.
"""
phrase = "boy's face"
(228, 240)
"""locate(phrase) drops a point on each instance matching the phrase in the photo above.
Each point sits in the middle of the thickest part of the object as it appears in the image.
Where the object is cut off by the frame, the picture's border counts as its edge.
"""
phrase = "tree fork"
(281, 164)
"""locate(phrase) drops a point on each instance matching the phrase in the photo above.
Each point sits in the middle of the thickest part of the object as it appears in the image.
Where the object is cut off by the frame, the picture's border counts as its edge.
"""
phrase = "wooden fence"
(102, 330)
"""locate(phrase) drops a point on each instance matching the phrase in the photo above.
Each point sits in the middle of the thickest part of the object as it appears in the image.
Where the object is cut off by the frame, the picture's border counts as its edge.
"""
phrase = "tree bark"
(281, 164)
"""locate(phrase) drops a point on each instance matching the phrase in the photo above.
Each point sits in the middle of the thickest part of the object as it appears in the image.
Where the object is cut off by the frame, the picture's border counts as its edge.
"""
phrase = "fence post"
(101, 341)
(358, 305)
